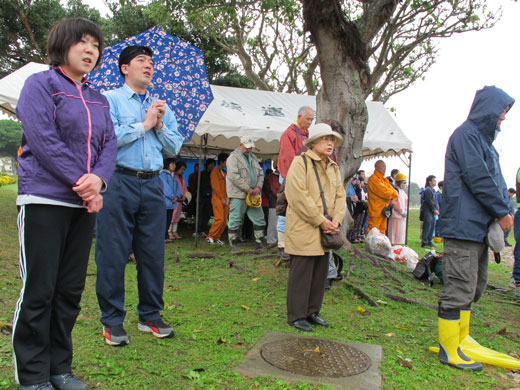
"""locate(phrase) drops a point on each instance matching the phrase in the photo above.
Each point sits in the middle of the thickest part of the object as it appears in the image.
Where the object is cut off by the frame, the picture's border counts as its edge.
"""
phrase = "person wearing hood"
(474, 195)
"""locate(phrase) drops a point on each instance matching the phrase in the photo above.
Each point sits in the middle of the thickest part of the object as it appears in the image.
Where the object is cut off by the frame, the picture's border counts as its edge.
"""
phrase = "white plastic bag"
(406, 256)
(378, 244)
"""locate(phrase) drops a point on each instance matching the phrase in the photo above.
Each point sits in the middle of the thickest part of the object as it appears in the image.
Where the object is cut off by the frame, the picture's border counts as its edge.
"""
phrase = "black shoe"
(316, 320)
(156, 327)
(115, 335)
(233, 246)
(260, 244)
(302, 324)
(67, 382)
(283, 255)
(329, 284)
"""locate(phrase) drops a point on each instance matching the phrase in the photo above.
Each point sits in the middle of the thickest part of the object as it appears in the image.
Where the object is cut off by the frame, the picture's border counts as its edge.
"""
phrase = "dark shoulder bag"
(329, 241)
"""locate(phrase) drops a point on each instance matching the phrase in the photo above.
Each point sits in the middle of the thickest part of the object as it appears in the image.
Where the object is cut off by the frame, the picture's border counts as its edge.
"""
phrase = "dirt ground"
(507, 257)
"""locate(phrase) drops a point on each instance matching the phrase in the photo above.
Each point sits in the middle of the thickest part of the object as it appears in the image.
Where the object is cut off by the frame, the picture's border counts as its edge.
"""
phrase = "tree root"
(201, 255)
(350, 268)
(389, 274)
(251, 252)
(268, 256)
(488, 325)
(400, 290)
(399, 298)
(508, 303)
(362, 294)
(233, 265)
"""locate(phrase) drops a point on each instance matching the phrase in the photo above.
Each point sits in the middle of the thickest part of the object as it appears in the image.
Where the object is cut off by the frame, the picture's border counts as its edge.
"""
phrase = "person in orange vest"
(219, 200)
(380, 193)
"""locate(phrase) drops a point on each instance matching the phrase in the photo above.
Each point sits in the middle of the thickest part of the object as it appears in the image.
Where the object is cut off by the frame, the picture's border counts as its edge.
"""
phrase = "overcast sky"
(430, 110)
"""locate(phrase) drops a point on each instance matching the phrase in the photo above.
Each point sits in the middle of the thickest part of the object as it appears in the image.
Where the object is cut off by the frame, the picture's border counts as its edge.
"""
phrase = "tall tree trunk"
(342, 98)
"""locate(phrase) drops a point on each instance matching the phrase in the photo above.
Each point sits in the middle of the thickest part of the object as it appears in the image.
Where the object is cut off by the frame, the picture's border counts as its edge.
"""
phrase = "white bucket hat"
(321, 130)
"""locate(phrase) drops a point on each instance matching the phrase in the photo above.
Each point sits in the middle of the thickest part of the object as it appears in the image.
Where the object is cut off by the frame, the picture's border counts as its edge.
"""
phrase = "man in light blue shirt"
(133, 215)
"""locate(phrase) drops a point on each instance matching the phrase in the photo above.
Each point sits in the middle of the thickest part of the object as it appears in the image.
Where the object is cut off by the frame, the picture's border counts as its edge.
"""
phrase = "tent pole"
(408, 204)
(198, 194)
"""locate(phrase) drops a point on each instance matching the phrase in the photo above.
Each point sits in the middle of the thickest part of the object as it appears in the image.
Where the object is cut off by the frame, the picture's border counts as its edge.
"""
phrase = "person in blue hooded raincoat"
(474, 195)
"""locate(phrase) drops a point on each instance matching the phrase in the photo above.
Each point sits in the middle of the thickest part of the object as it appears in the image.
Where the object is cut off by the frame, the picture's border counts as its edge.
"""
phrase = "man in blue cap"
(134, 212)
(474, 195)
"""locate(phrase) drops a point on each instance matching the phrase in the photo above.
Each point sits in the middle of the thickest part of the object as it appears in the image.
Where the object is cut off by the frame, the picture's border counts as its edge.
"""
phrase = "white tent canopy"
(264, 116)
(11, 86)
(235, 112)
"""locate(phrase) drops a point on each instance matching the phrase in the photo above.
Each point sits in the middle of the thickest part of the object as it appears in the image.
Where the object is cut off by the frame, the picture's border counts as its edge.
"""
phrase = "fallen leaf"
(244, 307)
(197, 330)
(255, 279)
(278, 262)
(222, 340)
(402, 327)
(381, 302)
(317, 349)
(363, 312)
(390, 334)
(406, 363)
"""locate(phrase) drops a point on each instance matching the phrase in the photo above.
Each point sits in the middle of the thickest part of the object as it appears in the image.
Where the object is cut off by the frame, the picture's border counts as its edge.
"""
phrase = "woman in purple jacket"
(68, 156)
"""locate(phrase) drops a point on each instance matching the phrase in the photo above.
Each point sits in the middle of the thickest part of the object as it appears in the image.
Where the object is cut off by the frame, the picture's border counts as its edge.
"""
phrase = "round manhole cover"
(315, 357)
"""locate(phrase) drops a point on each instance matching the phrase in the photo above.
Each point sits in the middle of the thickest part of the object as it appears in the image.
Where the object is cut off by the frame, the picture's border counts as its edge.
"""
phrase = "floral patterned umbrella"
(179, 78)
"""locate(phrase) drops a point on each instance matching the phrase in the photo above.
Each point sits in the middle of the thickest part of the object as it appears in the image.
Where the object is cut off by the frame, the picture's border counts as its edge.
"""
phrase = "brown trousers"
(306, 285)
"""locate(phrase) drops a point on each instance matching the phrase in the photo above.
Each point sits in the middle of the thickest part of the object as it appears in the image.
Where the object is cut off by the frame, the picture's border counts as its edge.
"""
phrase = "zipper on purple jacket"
(89, 153)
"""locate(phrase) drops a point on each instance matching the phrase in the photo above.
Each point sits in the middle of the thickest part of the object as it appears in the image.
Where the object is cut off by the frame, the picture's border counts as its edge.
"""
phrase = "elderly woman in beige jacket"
(305, 218)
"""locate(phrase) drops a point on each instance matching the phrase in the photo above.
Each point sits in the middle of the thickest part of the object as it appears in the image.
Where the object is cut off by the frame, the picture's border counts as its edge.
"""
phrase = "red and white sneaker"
(157, 327)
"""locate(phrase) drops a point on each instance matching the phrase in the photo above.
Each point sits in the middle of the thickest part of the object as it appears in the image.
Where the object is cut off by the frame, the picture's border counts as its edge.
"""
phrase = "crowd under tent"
(263, 115)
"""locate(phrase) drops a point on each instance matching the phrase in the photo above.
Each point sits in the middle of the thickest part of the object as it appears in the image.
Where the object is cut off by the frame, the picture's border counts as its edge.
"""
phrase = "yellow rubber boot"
(465, 317)
(449, 351)
(472, 349)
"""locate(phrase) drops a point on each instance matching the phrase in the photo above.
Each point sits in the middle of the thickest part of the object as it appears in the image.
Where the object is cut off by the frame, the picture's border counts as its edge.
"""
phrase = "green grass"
(221, 316)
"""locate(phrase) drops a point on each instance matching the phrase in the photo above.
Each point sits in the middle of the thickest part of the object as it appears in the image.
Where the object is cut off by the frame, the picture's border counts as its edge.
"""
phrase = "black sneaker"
(39, 386)
(115, 335)
(67, 382)
(157, 327)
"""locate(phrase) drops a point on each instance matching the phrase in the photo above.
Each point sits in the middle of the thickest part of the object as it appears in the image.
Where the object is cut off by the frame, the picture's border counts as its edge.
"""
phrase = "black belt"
(138, 174)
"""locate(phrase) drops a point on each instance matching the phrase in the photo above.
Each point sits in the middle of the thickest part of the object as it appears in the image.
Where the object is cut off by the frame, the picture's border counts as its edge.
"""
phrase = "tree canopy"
(10, 137)
(27, 23)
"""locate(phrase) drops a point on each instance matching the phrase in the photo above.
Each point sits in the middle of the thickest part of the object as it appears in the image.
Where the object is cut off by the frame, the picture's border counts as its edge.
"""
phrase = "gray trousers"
(272, 234)
(332, 272)
(306, 285)
(465, 272)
